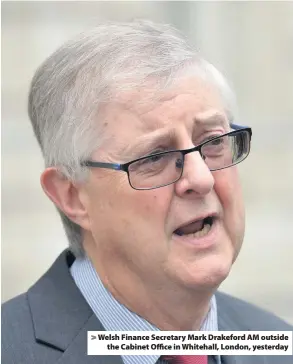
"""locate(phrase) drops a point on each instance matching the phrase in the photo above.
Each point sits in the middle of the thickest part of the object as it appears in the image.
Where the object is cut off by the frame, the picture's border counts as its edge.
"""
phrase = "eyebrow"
(170, 136)
(215, 119)
(150, 141)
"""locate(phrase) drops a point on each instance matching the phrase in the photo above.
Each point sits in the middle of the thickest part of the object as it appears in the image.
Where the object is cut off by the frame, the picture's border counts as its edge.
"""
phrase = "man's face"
(132, 237)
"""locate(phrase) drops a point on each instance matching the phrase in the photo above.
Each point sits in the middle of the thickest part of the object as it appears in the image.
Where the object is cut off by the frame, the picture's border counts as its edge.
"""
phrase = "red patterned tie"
(186, 359)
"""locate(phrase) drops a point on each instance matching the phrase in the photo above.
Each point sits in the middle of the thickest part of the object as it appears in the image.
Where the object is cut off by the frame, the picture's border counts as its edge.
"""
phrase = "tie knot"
(186, 359)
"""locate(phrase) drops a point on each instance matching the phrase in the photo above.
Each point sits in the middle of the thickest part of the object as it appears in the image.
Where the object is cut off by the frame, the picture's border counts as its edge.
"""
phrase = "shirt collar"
(113, 315)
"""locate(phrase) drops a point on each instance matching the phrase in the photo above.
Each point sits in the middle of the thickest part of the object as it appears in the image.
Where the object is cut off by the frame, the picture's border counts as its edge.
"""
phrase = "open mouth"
(196, 229)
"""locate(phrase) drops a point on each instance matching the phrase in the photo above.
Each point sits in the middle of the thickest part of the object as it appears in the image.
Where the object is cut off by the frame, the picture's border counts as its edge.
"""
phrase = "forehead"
(189, 93)
(147, 111)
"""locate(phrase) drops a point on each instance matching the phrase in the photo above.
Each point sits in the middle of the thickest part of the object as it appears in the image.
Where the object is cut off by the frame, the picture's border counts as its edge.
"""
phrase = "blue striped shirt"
(116, 317)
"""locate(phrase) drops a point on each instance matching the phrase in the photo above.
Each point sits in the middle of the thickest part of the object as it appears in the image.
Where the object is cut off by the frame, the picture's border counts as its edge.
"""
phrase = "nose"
(196, 177)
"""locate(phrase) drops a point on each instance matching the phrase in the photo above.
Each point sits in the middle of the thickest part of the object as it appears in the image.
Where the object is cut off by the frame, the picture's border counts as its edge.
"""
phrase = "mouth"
(197, 229)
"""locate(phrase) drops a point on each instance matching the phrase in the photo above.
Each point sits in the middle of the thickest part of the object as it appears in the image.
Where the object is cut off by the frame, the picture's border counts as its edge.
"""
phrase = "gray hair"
(70, 87)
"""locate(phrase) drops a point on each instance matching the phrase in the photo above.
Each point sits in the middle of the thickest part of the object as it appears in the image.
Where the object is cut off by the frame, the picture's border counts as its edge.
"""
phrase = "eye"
(151, 159)
(155, 158)
(210, 137)
(218, 141)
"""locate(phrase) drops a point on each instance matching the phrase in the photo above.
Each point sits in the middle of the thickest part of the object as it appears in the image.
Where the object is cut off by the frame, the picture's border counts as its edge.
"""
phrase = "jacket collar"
(229, 320)
(61, 316)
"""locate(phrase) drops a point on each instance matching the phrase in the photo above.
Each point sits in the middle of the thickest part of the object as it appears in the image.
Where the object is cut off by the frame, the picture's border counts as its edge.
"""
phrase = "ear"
(65, 195)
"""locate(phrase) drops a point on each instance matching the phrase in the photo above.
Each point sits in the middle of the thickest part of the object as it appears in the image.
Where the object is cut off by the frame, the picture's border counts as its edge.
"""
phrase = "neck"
(186, 311)
(167, 306)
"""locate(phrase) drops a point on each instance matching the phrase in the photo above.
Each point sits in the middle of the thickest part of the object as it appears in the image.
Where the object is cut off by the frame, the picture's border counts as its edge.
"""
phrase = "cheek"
(128, 226)
(155, 205)
(123, 206)
(228, 189)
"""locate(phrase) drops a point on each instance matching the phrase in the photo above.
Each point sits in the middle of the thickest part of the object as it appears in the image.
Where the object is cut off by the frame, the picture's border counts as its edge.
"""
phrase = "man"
(140, 148)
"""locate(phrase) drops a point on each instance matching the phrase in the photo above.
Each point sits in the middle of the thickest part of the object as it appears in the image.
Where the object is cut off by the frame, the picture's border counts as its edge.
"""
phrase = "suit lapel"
(76, 352)
(229, 321)
(61, 316)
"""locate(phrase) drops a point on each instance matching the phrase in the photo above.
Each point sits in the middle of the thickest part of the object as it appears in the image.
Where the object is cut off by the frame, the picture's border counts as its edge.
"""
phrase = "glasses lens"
(156, 170)
(227, 150)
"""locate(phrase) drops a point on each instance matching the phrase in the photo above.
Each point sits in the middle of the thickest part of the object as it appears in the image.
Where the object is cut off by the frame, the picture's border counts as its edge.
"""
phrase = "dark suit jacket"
(49, 323)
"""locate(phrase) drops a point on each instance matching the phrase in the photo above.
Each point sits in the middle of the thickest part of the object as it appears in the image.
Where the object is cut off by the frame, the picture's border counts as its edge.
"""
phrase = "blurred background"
(250, 42)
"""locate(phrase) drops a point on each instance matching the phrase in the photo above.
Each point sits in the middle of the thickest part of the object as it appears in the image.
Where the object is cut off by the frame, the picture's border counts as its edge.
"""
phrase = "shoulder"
(247, 316)
(15, 315)
(19, 345)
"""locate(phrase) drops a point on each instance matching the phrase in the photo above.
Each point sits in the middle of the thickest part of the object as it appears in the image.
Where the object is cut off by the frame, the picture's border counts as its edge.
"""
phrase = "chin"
(208, 273)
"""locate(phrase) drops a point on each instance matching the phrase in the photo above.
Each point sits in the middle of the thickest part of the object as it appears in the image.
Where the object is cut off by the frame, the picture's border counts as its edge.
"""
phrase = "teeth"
(203, 232)
(199, 234)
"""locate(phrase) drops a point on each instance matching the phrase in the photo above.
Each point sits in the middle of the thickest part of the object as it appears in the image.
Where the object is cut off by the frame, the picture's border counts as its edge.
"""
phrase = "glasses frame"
(125, 166)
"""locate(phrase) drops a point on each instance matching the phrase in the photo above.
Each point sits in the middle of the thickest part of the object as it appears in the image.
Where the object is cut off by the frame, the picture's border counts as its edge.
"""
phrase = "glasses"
(164, 168)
